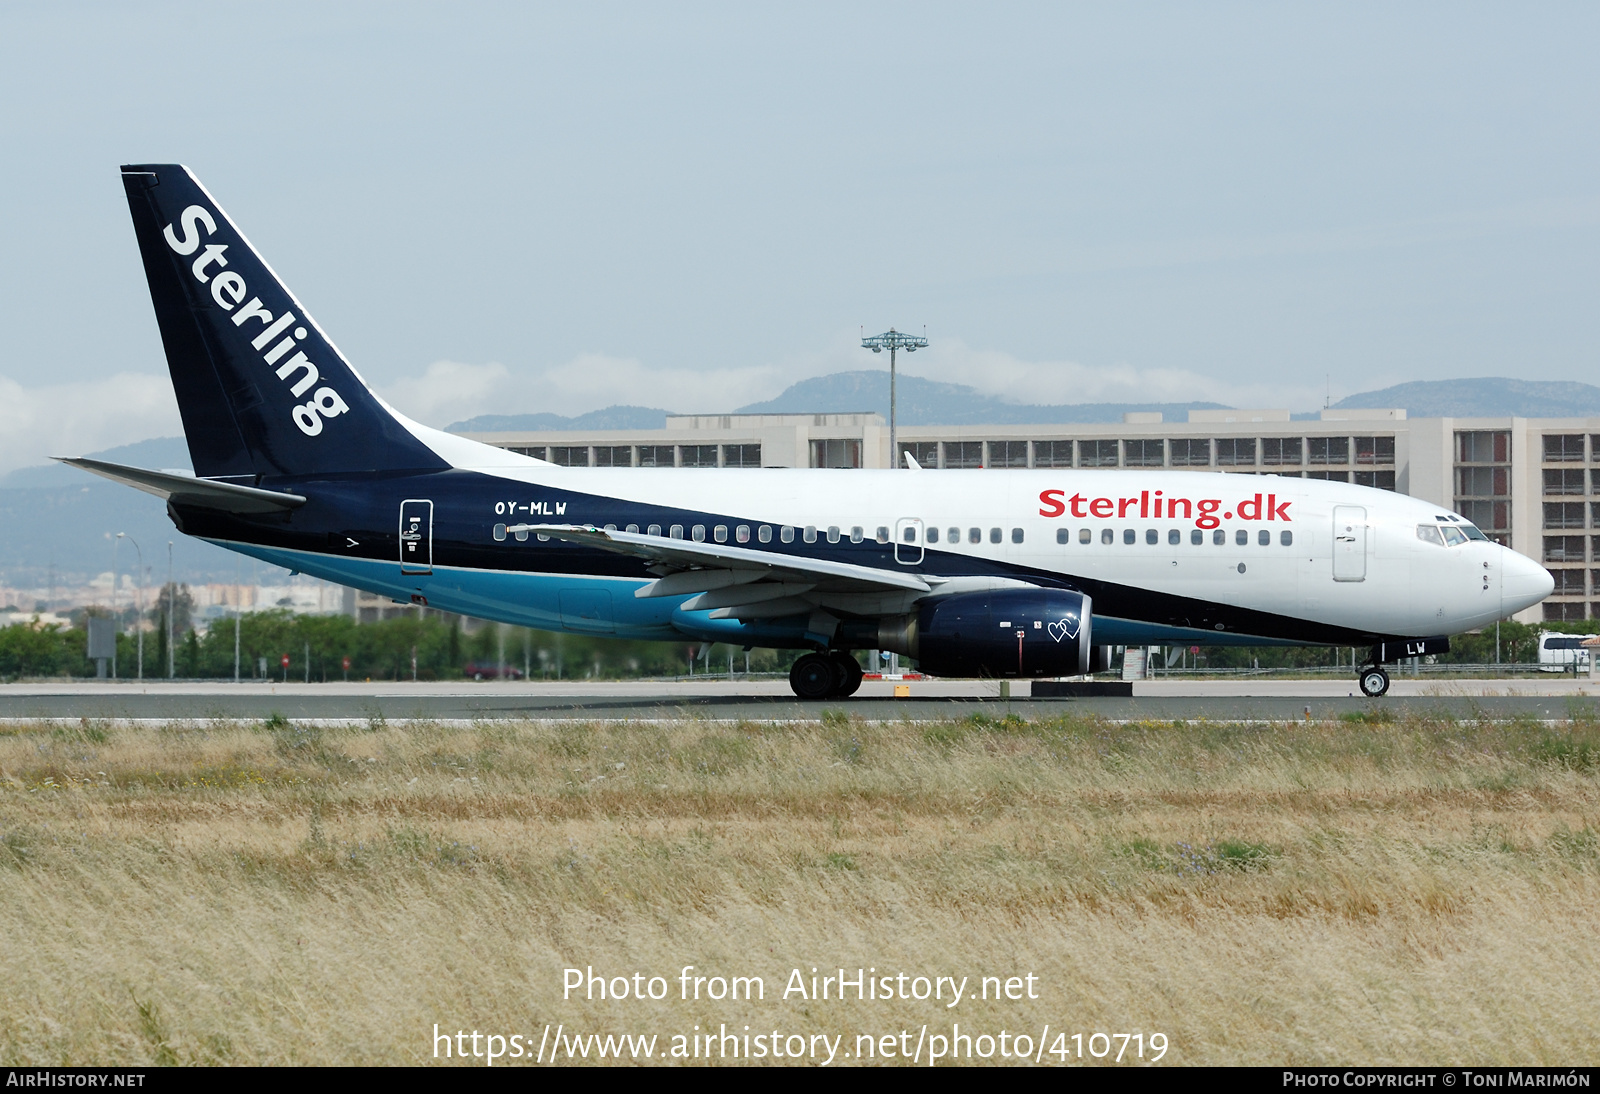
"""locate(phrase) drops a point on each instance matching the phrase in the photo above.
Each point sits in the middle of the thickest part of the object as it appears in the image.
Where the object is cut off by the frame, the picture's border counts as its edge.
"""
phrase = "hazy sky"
(508, 208)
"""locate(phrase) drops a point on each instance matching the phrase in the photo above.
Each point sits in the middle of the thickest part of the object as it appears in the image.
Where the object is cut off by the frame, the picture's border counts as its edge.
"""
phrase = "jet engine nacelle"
(1005, 632)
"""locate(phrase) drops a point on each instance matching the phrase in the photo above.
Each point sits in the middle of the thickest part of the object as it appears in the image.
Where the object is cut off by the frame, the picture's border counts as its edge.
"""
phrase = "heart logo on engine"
(1066, 628)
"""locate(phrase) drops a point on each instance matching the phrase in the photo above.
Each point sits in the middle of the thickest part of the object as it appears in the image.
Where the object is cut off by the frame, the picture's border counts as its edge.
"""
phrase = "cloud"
(71, 419)
(997, 373)
(1017, 380)
(449, 391)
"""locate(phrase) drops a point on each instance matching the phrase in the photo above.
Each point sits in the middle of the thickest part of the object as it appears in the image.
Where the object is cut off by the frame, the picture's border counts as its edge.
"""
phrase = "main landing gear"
(832, 675)
(1374, 681)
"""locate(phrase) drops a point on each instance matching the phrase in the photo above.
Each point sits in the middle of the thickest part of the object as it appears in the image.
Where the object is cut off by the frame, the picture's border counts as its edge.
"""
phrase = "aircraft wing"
(737, 582)
(189, 490)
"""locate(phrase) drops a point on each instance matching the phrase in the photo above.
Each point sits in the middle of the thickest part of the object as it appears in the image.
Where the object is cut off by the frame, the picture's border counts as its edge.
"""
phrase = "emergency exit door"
(416, 537)
(908, 547)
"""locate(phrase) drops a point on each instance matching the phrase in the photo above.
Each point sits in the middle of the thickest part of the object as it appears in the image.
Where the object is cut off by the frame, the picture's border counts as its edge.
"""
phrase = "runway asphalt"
(768, 700)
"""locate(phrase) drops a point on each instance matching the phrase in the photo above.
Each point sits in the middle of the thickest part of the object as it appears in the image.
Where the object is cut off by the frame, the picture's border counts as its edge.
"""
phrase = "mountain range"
(932, 402)
(1484, 397)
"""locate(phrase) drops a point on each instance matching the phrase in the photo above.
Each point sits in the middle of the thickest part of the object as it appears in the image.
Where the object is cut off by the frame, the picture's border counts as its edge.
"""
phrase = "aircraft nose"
(1523, 582)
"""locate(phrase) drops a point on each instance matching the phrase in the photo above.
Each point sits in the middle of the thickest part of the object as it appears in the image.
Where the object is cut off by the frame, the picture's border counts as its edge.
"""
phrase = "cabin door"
(1349, 543)
(416, 537)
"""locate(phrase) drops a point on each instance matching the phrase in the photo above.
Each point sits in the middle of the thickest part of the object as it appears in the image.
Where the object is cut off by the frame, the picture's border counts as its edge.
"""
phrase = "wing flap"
(737, 595)
(767, 609)
(697, 581)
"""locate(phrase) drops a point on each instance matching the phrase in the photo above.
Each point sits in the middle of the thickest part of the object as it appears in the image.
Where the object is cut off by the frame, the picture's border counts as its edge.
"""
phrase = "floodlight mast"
(893, 340)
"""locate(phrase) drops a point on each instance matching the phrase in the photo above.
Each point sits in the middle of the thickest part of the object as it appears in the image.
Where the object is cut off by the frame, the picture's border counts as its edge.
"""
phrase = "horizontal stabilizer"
(188, 490)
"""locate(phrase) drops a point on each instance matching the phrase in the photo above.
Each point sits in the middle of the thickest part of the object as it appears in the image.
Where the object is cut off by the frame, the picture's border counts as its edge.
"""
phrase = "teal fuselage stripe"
(606, 605)
(575, 604)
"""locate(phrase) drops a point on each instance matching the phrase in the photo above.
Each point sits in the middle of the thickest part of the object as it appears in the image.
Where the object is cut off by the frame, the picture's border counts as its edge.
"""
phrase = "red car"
(492, 672)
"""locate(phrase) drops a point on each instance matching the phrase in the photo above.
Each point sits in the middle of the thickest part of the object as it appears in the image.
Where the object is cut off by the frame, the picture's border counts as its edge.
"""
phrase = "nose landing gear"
(1374, 681)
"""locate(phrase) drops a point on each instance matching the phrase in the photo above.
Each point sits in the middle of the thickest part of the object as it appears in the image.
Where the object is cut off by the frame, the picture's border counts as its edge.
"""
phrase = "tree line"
(434, 646)
(431, 646)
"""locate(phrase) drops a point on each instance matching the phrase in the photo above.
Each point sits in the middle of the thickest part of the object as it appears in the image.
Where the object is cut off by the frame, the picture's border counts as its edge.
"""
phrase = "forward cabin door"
(908, 541)
(416, 537)
(1349, 543)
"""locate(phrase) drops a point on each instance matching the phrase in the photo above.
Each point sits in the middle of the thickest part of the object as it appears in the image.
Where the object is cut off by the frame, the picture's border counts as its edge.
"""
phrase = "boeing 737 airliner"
(1004, 574)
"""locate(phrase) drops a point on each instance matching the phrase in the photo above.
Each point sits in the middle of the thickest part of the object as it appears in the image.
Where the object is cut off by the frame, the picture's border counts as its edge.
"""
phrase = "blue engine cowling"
(1006, 632)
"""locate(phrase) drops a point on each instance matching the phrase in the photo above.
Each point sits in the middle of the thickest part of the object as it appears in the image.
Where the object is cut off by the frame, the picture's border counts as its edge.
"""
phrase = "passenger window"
(786, 533)
(994, 535)
(1197, 537)
(741, 534)
(1264, 538)
(1219, 537)
(883, 533)
(1151, 536)
(633, 528)
(698, 533)
(1016, 535)
(1241, 538)
(653, 530)
(1174, 537)
(856, 535)
(1429, 533)
(974, 535)
(1107, 536)
(675, 532)
(522, 537)
(833, 533)
(499, 533)
(909, 533)
(764, 533)
(1063, 535)
(933, 534)
(1286, 538)
(1084, 535)
(810, 534)
(1454, 537)
(1129, 535)
(611, 527)
(720, 533)
(952, 535)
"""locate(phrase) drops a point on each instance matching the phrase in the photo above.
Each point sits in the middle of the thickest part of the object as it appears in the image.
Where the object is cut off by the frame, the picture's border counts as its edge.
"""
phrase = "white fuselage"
(1335, 554)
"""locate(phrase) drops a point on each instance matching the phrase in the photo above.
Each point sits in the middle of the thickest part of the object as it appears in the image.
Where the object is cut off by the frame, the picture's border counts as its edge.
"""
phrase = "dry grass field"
(1416, 892)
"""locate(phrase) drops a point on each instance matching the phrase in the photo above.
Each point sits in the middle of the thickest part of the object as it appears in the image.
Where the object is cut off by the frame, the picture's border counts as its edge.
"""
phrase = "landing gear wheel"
(1374, 682)
(847, 674)
(813, 677)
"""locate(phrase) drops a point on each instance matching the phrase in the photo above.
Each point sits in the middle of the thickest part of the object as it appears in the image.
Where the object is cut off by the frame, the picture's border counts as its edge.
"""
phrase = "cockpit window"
(1448, 535)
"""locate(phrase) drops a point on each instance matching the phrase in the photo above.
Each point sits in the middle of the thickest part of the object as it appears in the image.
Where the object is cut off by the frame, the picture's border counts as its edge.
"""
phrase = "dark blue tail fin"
(262, 390)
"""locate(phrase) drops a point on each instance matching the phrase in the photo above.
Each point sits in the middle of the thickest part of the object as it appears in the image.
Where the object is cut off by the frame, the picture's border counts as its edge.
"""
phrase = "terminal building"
(1530, 483)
